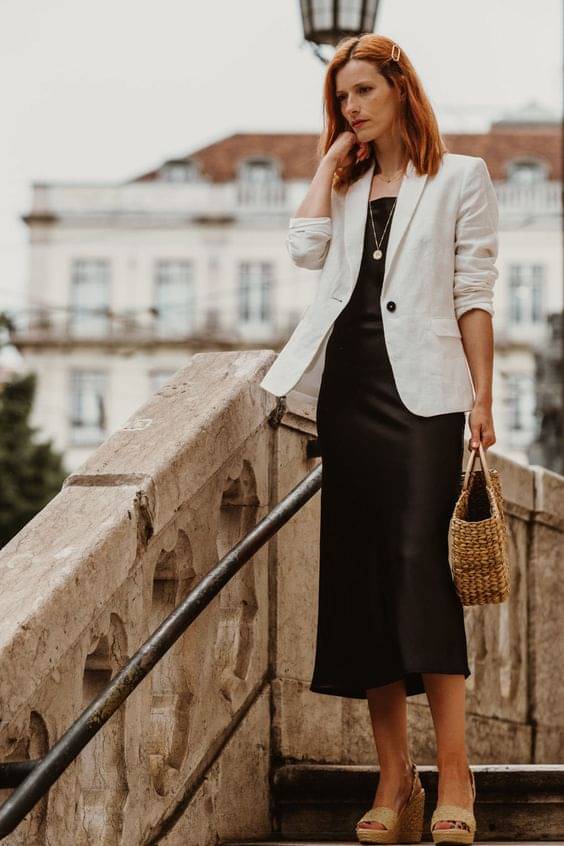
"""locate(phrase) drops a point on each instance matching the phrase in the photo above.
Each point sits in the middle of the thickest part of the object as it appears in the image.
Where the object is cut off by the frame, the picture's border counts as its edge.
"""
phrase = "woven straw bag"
(478, 537)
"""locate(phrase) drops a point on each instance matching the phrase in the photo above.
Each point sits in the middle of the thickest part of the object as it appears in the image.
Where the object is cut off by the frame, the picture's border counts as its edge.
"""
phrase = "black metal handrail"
(32, 779)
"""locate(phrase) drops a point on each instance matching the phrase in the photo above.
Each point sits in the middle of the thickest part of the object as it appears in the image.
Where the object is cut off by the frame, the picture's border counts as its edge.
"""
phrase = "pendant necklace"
(388, 179)
(377, 254)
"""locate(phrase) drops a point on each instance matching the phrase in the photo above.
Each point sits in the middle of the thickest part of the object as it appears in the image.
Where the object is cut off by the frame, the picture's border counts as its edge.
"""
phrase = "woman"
(390, 413)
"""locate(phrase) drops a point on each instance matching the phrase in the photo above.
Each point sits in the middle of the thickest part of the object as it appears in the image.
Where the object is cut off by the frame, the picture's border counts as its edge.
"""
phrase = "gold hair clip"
(394, 48)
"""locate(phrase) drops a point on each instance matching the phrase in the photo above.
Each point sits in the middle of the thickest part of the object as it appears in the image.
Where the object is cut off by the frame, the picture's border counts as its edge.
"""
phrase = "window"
(520, 403)
(174, 297)
(213, 320)
(179, 171)
(255, 286)
(89, 299)
(88, 421)
(526, 171)
(258, 171)
(526, 283)
(260, 183)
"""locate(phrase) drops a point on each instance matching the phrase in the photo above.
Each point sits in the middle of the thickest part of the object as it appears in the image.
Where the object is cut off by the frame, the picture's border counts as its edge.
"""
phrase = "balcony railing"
(167, 201)
(265, 194)
(543, 198)
(157, 201)
(145, 327)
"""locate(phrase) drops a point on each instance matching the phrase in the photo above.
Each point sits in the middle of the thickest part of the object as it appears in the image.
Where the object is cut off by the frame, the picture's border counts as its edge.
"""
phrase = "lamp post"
(329, 21)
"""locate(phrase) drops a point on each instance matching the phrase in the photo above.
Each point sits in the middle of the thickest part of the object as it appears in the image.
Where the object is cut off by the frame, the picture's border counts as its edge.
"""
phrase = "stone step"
(515, 803)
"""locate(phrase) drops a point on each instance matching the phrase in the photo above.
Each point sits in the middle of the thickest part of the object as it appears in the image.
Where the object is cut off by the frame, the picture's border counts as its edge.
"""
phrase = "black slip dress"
(387, 606)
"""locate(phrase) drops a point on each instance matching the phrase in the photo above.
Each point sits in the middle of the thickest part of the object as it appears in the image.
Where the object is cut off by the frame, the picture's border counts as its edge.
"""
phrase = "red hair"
(419, 130)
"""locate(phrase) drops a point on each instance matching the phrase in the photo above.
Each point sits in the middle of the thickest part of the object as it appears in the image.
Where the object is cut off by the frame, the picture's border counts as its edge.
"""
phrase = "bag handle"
(471, 464)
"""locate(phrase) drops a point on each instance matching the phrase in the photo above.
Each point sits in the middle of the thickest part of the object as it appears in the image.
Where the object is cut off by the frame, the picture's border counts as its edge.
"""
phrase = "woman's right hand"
(346, 150)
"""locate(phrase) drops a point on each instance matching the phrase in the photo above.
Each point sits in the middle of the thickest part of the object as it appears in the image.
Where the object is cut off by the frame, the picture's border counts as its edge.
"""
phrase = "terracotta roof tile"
(295, 152)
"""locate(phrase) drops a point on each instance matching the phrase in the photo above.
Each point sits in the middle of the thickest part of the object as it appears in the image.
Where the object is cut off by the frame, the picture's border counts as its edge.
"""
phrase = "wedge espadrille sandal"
(405, 826)
(455, 814)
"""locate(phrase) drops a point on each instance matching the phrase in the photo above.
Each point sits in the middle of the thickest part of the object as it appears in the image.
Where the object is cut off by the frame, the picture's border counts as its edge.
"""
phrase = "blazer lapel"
(356, 212)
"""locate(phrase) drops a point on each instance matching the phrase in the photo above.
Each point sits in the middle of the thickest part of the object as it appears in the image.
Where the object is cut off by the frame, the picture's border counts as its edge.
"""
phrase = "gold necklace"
(377, 254)
(386, 179)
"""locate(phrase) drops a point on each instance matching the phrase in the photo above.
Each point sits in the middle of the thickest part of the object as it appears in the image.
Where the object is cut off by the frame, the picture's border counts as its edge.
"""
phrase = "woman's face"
(364, 94)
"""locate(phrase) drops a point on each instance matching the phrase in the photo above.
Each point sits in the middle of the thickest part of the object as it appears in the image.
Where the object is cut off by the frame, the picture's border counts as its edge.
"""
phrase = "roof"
(218, 162)
(533, 134)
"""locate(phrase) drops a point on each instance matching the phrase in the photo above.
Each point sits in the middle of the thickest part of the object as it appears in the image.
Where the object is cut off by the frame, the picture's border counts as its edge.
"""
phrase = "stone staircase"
(321, 803)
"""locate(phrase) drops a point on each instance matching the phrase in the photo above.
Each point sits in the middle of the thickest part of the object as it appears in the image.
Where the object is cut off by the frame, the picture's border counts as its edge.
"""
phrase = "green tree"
(30, 473)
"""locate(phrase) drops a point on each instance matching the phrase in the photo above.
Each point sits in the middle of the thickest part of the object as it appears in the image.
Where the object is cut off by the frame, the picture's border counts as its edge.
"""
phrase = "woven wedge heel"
(405, 826)
(444, 813)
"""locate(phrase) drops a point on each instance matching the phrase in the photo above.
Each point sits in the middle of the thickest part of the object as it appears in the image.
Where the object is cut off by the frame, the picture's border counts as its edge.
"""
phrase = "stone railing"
(156, 200)
(540, 199)
(188, 758)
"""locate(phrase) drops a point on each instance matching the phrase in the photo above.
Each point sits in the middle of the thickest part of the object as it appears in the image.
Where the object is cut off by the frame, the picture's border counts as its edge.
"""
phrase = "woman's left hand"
(480, 421)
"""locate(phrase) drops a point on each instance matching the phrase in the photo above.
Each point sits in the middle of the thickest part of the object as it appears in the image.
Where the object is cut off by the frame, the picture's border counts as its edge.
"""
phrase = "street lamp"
(329, 21)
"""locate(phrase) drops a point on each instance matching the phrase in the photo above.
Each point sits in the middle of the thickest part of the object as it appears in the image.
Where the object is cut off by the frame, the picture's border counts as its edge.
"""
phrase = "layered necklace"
(377, 254)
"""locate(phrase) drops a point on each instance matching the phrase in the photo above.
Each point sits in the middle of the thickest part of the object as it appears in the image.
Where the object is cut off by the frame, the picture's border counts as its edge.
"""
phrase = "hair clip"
(394, 48)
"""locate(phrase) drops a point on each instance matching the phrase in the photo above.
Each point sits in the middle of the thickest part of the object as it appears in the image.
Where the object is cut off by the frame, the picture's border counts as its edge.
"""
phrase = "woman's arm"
(477, 337)
(343, 150)
(476, 250)
(310, 231)
(317, 201)
(476, 241)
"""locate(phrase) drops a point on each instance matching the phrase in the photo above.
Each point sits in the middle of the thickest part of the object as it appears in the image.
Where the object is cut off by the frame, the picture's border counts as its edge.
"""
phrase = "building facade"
(128, 280)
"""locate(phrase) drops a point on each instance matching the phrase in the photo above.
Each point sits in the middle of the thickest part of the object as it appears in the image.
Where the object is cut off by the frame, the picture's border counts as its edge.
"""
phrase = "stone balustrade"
(187, 759)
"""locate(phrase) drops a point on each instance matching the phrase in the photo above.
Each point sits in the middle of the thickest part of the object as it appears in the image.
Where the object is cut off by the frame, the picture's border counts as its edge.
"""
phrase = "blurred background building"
(128, 280)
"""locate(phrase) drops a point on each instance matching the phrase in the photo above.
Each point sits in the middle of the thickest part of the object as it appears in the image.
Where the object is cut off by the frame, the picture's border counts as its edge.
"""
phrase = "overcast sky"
(105, 90)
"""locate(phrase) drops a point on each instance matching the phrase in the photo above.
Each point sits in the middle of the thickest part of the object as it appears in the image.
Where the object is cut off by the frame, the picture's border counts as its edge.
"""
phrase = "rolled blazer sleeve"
(308, 241)
(476, 242)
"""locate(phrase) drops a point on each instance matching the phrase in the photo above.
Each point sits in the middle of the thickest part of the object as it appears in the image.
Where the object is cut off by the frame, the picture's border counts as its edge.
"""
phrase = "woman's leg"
(388, 714)
(446, 694)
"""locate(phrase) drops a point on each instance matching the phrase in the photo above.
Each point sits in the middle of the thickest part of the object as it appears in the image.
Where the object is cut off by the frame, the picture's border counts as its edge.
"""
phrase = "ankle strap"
(413, 777)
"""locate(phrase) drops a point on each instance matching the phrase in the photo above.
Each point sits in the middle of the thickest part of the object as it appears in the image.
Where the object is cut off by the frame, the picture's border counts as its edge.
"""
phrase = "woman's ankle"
(453, 763)
(396, 776)
(395, 766)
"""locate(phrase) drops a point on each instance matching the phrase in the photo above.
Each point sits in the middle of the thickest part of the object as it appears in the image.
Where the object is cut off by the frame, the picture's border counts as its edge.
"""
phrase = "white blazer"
(440, 262)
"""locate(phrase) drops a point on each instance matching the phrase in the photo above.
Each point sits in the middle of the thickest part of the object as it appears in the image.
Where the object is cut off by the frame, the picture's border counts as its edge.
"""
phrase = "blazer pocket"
(446, 326)
(449, 349)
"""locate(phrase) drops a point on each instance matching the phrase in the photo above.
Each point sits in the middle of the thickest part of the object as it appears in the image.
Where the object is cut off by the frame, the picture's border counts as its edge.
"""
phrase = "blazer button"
(391, 306)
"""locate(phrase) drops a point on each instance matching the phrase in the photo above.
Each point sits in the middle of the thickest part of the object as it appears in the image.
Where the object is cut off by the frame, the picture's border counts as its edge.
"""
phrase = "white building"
(128, 280)
(523, 152)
